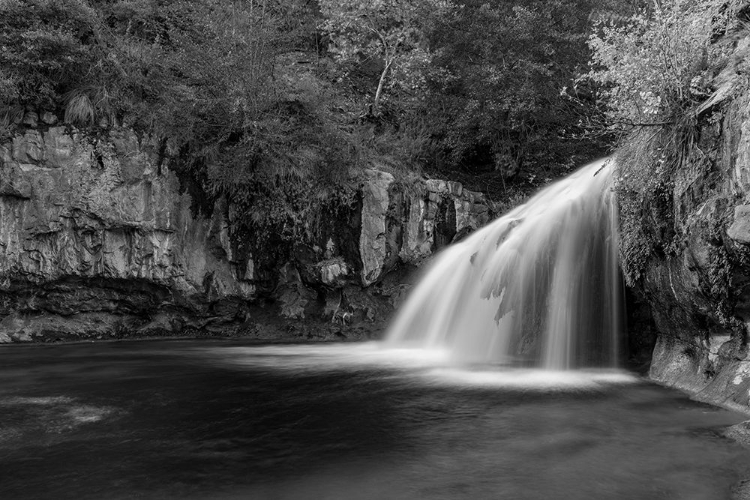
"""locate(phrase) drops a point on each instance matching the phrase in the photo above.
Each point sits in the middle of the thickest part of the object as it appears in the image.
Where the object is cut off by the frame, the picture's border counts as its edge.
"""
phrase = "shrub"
(654, 69)
(657, 64)
(46, 49)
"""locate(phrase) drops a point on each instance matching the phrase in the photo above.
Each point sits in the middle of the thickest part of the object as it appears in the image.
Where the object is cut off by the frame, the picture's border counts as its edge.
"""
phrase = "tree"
(44, 46)
(658, 62)
(213, 81)
(395, 31)
(498, 98)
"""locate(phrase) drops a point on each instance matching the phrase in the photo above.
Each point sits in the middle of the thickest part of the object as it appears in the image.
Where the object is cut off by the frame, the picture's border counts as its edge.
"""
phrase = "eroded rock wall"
(698, 279)
(98, 240)
(95, 241)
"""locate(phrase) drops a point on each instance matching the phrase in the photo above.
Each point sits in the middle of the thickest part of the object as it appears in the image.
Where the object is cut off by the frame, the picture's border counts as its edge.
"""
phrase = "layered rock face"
(98, 240)
(698, 283)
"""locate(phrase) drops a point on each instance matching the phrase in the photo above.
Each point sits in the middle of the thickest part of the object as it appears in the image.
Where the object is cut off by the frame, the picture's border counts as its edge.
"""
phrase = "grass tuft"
(80, 110)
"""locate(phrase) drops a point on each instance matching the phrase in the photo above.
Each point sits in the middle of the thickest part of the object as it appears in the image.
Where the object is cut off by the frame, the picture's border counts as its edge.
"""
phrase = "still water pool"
(213, 419)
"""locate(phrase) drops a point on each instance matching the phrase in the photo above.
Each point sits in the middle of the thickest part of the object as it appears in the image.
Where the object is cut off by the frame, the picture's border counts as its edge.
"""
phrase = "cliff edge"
(100, 240)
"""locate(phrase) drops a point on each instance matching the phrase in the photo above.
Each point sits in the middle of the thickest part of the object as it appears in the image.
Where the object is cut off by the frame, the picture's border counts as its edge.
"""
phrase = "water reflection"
(231, 420)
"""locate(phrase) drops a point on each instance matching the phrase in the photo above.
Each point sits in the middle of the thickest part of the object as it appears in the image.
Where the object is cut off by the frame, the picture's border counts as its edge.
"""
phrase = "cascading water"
(539, 286)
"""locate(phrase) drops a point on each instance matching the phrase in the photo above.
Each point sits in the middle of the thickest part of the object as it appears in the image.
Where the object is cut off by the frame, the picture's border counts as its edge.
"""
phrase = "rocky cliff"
(686, 239)
(98, 239)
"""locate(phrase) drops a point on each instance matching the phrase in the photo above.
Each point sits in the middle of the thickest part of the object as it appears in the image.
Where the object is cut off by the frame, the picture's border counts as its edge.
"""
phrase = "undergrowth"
(646, 167)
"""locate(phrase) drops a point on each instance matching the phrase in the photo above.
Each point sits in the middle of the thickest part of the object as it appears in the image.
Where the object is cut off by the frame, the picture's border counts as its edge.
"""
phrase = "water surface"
(212, 419)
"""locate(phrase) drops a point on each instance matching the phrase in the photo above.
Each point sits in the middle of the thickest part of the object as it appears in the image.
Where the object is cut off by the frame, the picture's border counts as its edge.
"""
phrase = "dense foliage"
(506, 98)
(659, 62)
(654, 72)
(394, 31)
(487, 92)
(263, 100)
(207, 79)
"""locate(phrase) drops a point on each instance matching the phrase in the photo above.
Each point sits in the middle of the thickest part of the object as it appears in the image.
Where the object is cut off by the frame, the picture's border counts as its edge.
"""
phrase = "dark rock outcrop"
(697, 277)
(99, 240)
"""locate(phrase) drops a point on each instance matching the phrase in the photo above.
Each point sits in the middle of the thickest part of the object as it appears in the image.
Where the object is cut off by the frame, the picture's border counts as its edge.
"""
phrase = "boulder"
(49, 118)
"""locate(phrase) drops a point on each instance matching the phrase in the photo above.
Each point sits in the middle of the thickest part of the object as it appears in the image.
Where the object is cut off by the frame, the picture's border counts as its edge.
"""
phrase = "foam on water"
(531, 379)
(422, 366)
(325, 357)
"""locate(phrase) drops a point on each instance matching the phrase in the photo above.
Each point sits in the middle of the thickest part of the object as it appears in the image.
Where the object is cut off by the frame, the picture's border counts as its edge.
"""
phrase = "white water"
(539, 286)
(425, 367)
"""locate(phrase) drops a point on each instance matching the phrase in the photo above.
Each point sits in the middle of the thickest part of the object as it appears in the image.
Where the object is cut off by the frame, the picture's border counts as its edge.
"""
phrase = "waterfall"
(539, 286)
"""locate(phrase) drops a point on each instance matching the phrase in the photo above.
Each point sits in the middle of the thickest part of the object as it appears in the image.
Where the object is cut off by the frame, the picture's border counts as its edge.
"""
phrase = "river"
(230, 419)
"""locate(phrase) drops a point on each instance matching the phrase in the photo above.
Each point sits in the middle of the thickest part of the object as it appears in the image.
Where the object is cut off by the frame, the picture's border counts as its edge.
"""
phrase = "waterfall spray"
(539, 286)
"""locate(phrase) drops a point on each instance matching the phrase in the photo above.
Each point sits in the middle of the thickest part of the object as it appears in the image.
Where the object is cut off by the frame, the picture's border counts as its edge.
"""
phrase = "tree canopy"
(658, 62)
(258, 97)
(395, 31)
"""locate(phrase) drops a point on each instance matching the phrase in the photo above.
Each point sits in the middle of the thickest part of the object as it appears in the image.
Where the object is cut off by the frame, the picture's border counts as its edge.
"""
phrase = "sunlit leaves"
(653, 65)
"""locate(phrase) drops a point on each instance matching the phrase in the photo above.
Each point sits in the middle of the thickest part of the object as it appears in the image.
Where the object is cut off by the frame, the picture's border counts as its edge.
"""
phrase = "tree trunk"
(381, 83)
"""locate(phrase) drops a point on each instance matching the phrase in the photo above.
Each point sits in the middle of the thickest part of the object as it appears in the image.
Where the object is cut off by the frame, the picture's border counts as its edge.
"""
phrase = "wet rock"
(699, 290)
(740, 433)
(418, 231)
(372, 242)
